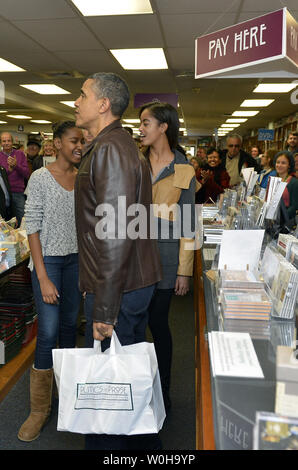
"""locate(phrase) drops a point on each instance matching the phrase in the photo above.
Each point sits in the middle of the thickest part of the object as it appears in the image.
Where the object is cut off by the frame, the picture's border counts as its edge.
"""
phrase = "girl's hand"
(49, 292)
(182, 285)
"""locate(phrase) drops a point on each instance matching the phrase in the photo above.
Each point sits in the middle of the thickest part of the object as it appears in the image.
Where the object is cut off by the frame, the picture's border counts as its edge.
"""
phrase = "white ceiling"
(47, 36)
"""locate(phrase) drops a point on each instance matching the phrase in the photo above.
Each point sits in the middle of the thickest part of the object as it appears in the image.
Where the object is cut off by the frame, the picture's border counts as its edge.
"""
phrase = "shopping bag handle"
(115, 346)
(97, 346)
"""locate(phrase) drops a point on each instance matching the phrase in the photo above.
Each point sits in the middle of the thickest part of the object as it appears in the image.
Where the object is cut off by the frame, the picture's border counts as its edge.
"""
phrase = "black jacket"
(5, 212)
(245, 159)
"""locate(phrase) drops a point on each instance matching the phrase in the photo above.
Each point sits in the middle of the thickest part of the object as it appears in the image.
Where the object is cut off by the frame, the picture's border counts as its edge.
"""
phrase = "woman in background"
(51, 229)
(285, 169)
(173, 184)
(213, 177)
(267, 163)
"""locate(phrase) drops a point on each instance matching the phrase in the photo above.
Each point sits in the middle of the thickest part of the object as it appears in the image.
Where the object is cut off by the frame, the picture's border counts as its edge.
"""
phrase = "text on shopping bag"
(104, 396)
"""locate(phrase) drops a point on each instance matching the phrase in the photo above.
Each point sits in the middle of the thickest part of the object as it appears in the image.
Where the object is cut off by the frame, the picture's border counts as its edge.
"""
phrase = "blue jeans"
(18, 205)
(57, 323)
(132, 318)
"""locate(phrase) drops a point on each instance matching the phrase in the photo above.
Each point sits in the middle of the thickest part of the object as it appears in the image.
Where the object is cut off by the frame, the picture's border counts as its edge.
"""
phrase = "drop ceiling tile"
(260, 6)
(130, 31)
(32, 9)
(15, 42)
(181, 58)
(182, 30)
(60, 34)
(90, 61)
(196, 6)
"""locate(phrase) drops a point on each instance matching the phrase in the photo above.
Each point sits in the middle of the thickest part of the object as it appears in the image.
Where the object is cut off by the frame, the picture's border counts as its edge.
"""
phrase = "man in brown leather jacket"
(117, 273)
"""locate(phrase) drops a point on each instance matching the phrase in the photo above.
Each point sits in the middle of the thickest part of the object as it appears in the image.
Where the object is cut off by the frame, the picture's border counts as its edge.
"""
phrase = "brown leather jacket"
(111, 168)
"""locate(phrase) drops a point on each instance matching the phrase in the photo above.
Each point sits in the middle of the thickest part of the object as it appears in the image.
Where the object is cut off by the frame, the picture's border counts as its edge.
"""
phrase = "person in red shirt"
(213, 177)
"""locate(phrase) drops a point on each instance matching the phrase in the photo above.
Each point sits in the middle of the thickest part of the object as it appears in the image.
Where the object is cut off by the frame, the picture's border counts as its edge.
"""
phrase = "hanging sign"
(266, 134)
(266, 38)
(143, 98)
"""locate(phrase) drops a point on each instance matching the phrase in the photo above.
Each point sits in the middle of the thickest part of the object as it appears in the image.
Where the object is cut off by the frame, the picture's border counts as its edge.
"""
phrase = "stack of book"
(281, 276)
(13, 255)
(248, 304)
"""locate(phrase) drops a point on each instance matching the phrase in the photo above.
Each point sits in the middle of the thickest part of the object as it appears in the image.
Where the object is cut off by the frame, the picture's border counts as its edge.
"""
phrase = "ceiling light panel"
(113, 7)
(256, 103)
(68, 103)
(141, 59)
(40, 121)
(6, 66)
(236, 120)
(3, 122)
(245, 113)
(46, 89)
(275, 87)
(19, 116)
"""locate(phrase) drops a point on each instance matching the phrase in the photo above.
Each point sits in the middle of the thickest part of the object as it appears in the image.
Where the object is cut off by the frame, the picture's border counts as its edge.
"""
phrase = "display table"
(226, 407)
(14, 369)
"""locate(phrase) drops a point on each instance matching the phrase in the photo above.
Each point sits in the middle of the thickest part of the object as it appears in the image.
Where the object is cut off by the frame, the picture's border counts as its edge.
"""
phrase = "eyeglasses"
(232, 145)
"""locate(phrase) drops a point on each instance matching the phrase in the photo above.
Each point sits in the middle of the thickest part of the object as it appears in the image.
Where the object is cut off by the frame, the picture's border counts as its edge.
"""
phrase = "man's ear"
(104, 105)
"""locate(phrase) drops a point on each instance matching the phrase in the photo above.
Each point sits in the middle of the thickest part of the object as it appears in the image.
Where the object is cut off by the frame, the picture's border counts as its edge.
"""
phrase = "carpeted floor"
(178, 432)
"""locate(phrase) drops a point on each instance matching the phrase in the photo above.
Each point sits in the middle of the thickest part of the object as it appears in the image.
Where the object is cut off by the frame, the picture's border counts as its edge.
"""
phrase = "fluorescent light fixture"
(4, 111)
(46, 89)
(256, 103)
(132, 121)
(181, 120)
(6, 66)
(68, 103)
(34, 132)
(128, 125)
(236, 120)
(274, 87)
(40, 121)
(245, 113)
(182, 129)
(229, 126)
(3, 122)
(141, 59)
(113, 7)
(18, 116)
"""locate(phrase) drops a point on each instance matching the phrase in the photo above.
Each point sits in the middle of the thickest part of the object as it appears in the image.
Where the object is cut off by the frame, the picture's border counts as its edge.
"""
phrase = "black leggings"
(160, 330)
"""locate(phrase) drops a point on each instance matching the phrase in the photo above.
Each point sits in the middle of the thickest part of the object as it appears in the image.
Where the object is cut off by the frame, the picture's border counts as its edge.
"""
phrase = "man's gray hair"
(113, 87)
(235, 136)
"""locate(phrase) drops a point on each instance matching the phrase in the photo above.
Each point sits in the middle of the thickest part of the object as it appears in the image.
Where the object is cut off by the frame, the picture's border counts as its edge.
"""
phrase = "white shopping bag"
(114, 392)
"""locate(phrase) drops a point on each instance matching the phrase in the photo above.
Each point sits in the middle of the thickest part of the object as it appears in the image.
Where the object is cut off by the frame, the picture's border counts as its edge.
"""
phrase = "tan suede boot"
(41, 382)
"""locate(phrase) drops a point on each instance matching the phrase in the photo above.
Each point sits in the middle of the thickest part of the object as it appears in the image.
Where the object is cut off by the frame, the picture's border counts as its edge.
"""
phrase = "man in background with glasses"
(234, 159)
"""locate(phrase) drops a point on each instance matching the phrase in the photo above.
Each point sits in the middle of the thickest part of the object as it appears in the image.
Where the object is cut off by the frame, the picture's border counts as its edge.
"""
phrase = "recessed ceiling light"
(4, 111)
(6, 66)
(230, 126)
(256, 103)
(46, 89)
(141, 59)
(245, 113)
(68, 103)
(275, 87)
(132, 121)
(182, 129)
(113, 7)
(236, 120)
(19, 116)
(40, 121)
(128, 125)
(3, 122)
